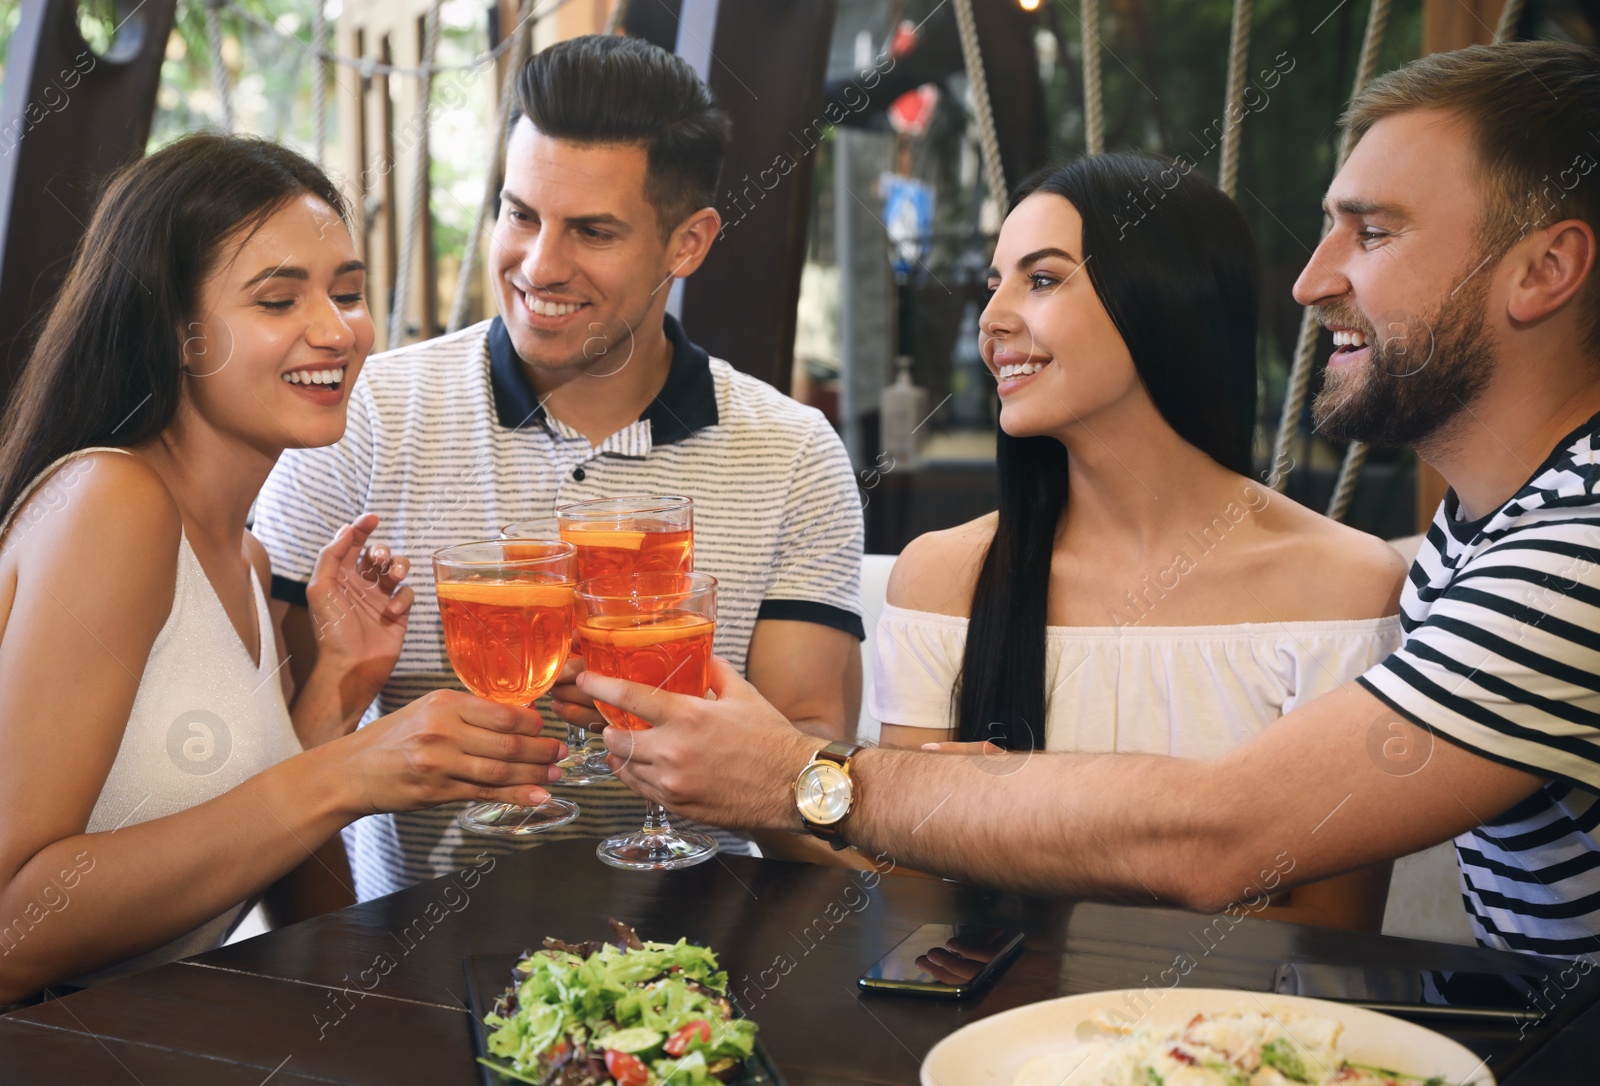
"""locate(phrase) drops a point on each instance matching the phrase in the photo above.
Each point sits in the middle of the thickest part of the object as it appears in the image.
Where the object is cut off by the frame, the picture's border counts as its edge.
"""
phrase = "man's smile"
(546, 312)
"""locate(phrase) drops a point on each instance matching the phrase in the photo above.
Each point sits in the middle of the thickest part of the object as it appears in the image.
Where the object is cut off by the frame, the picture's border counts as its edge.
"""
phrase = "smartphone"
(1444, 994)
(944, 960)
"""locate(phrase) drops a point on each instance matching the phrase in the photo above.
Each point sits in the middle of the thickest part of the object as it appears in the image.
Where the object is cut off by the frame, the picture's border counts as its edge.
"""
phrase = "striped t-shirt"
(447, 443)
(1502, 656)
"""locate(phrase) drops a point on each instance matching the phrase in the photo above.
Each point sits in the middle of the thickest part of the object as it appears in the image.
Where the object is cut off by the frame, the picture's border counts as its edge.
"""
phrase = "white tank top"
(205, 719)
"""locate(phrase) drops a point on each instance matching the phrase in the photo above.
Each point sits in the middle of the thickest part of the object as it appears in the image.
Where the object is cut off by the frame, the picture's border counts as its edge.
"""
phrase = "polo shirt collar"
(686, 403)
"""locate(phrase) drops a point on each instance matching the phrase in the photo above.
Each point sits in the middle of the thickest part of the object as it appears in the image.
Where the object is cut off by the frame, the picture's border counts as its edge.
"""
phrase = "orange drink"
(506, 640)
(506, 608)
(651, 535)
(655, 629)
(669, 650)
(645, 546)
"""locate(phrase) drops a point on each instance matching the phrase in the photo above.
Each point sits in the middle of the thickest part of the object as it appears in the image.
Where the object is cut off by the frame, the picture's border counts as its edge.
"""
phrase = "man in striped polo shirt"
(1459, 278)
(584, 388)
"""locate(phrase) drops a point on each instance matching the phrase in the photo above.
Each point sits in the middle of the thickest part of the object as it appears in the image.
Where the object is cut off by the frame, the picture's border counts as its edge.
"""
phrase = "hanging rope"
(219, 69)
(1294, 398)
(405, 266)
(1510, 15)
(614, 21)
(1094, 114)
(1367, 66)
(319, 80)
(1238, 64)
(993, 169)
(1355, 458)
(1355, 455)
(521, 36)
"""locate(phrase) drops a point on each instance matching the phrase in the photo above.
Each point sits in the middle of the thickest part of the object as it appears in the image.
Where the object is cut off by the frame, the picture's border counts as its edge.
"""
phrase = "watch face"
(824, 793)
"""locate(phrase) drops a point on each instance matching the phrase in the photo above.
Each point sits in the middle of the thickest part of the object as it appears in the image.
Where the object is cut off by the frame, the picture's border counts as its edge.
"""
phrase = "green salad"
(630, 1013)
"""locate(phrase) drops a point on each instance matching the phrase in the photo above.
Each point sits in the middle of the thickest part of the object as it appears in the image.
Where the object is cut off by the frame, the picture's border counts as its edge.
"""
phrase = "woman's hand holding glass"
(506, 608)
(448, 746)
(571, 704)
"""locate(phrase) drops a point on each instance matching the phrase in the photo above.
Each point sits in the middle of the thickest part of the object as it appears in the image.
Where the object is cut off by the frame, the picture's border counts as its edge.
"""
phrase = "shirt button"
(579, 474)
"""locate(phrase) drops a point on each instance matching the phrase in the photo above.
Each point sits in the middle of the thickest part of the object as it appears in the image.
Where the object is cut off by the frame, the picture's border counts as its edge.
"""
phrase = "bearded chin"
(1391, 401)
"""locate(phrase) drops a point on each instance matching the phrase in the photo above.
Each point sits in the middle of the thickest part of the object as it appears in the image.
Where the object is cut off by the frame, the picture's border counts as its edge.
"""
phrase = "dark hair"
(108, 366)
(1531, 107)
(604, 89)
(1171, 259)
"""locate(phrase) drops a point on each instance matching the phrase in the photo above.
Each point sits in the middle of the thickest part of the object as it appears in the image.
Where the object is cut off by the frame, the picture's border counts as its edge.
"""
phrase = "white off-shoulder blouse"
(1188, 691)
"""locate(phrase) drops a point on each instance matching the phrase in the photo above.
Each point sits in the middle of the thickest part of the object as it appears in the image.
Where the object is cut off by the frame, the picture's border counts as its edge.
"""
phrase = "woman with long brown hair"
(1136, 590)
(151, 764)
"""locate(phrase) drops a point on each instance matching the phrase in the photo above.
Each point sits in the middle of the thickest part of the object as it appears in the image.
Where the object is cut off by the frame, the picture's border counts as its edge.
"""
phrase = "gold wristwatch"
(824, 793)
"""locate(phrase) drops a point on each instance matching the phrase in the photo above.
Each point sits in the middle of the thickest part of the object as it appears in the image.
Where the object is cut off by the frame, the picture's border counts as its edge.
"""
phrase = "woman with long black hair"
(152, 778)
(1137, 589)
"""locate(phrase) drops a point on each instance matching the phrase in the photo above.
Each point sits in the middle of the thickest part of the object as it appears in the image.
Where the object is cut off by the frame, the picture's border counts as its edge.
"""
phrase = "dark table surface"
(376, 994)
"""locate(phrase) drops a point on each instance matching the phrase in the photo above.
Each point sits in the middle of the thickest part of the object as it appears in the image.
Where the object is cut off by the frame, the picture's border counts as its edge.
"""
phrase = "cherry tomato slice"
(678, 1043)
(626, 1069)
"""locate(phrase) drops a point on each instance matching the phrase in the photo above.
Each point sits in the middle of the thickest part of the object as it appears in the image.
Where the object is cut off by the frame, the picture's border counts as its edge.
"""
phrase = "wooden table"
(375, 993)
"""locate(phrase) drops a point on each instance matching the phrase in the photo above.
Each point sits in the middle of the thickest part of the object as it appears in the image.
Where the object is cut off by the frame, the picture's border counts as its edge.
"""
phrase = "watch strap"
(839, 753)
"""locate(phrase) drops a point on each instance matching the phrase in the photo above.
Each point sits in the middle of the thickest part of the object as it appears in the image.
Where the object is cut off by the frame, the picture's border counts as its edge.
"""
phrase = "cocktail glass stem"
(655, 818)
(656, 846)
(583, 764)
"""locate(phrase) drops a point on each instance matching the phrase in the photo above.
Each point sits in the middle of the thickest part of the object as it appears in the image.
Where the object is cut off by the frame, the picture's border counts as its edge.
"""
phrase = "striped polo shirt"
(1502, 656)
(447, 442)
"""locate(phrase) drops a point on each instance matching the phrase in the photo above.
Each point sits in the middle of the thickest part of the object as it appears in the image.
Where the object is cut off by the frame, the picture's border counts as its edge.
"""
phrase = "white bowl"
(991, 1051)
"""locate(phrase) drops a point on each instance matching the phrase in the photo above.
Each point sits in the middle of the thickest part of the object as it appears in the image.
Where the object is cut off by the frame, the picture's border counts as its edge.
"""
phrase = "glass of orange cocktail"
(506, 605)
(618, 535)
(653, 628)
(630, 535)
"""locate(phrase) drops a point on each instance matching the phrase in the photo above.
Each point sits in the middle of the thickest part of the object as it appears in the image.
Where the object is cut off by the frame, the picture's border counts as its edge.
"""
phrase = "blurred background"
(859, 221)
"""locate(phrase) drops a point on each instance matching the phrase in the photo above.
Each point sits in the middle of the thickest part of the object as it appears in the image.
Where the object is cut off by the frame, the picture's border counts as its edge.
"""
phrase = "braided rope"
(405, 267)
(369, 67)
(1510, 15)
(491, 189)
(994, 173)
(219, 68)
(319, 80)
(1356, 455)
(1238, 64)
(1367, 66)
(1294, 398)
(1094, 114)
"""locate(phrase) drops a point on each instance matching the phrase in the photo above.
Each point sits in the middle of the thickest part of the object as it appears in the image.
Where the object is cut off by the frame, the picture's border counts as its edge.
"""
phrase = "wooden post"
(68, 118)
(1456, 24)
(571, 20)
(768, 63)
(1450, 24)
(411, 143)
(380, 152)
(382, 139)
